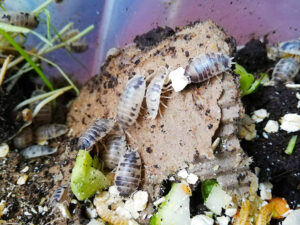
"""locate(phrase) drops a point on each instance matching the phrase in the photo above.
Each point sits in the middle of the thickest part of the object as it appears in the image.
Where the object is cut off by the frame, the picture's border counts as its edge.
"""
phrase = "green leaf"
(27, 58)
(86, 180)
(48, 23)
(291, 145)
(206, 187)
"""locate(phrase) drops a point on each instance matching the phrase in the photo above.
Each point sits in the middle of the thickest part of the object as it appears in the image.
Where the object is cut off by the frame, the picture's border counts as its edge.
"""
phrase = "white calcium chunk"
(202, 220)
(223, 220)
(265, 190)
(179, 81)
(183, 174)
(272, 126)
(230, 212)
(259, 115)
(140, 200)
(293, 218)
(4, 150)
(192, 178)
(290, 122)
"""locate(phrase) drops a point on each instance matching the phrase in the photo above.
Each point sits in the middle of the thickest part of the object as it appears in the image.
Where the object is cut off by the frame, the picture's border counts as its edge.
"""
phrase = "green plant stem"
(40, 8)
(291, 145)
(27, 58)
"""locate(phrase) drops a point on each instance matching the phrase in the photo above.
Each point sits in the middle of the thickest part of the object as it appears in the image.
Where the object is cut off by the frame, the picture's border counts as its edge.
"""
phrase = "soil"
(268, 154)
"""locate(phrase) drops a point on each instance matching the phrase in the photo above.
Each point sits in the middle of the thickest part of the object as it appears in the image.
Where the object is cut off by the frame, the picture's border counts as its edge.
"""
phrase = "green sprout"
(291, 145)
(247, 82)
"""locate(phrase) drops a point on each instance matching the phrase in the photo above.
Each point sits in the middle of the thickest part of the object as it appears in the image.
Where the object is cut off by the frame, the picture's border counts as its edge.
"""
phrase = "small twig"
(4, 69)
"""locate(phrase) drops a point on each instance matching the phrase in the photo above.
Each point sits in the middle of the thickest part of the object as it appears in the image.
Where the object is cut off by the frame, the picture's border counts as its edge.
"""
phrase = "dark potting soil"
(282, 170)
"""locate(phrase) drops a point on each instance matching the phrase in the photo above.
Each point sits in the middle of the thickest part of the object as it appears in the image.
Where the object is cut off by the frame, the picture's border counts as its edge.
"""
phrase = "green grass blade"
(16, 29)
(1, 6)
(291, 145)
(48, 23)
(27, 58)
(40, 8)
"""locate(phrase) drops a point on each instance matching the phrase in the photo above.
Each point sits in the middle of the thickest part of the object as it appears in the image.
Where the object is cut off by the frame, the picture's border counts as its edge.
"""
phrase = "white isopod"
(35, 151)
(22, 19)
(128, 174)
(114, 150)
(285, 70)
(130, 101)
(153, 93)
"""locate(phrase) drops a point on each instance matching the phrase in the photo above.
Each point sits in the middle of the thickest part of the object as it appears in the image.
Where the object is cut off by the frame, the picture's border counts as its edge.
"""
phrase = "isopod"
(264, 215)
(153, 93)
(130, 101)
(95, 132)
(115, 148)
(45, 114)
(291, 47)
(206, 66)
(58, 195)
(50, 131)
(69, 34)
(285, 70)
(35, 151)
(23, 139)
(128, 174)
(22, 19)
(244, 214)
(79, 46)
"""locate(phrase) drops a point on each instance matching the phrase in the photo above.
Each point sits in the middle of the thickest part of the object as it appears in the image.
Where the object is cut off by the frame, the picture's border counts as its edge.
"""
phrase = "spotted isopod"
(206, 66)
(22, 19)
(35, 151)
(69, 34)
(50, 131)
(290, 47)
(95, 132)
(24, 138)
(285, 70)
(153, 93)
(130, 101)
(79, 46)
(128, 174)
(115, 148)
(57, 195)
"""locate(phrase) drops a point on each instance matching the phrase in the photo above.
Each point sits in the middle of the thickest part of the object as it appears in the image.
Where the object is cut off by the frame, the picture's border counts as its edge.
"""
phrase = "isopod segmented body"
(206, 66)
(23, 139)
(57, 195)
(45, 114)
(285, 70)
(95, 132)
(79, 46)
(50, 131)
(130, 101)
(154, 92)
(290, 47)
(128, 174)
(115, 148)
(35, 151)
(68, 35)
(22, 19)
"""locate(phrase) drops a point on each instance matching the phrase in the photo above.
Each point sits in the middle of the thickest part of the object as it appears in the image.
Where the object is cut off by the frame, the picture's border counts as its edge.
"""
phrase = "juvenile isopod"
(79, 46)
(130, 101)
(35, 151)
(22, 19)
(206, 66)
(153, 93)
(45, 114)
(69, 34)
(114, 150)
(95, 132)
(128, 174)
(291, 47)
(23, 139)
(50, 131)
(58, 195)
(285, 70)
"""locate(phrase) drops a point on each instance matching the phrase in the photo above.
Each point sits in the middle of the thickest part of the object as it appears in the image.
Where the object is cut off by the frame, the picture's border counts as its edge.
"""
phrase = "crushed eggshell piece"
(64, 210)
(179, 81)
(272, 126)
(202, 220)
(4, 150)
(192, 178)
(122, 212)
(259, 115)
(25, 169)
(140, 199)
(22, 179)
(230, 212)
(265, 190)
(96, 222)
(183, 174)
(298, 105)
(290, 122)
(298, 95)
(223, 220)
